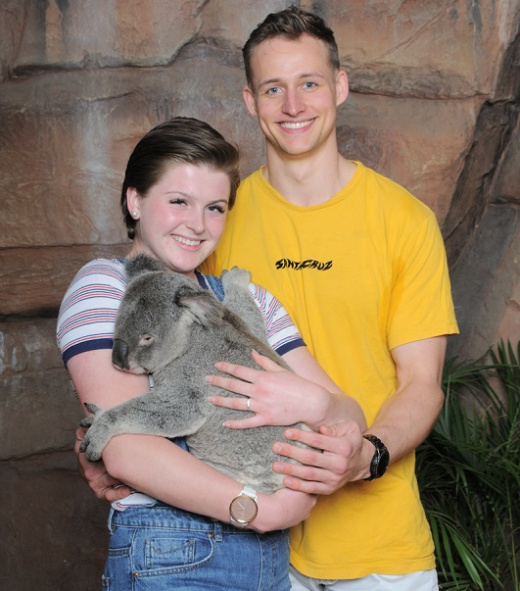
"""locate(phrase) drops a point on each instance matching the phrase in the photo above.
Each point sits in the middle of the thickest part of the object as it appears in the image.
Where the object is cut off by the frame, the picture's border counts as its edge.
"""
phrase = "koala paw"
(86, 448)
(236, 277)
(97, 435)
(87, 421)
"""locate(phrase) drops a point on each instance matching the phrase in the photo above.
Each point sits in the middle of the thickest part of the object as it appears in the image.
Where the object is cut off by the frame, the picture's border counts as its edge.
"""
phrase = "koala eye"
(145, 340)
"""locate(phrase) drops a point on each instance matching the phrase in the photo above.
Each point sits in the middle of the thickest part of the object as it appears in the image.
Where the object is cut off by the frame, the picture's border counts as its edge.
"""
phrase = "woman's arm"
(281, 397)
(163, 470)
(158, 467)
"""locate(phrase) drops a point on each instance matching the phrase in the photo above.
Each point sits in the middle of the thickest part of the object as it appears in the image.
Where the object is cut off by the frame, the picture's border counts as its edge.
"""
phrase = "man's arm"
(405, 421)
(402, 424)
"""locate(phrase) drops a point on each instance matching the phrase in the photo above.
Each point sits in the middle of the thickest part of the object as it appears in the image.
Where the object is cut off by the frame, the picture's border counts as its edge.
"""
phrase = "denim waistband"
(165, 516)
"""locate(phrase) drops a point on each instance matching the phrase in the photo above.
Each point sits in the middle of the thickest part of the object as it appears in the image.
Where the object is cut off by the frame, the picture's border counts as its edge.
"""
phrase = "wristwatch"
(243, 508)
(381, 457)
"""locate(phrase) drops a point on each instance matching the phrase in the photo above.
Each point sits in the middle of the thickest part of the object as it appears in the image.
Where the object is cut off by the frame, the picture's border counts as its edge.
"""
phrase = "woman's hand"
(277, 395)
(341, 455)
(96, 476)
(282, 509)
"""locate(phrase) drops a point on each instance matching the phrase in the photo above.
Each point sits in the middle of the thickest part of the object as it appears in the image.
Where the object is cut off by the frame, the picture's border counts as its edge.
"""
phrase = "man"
(360, 266)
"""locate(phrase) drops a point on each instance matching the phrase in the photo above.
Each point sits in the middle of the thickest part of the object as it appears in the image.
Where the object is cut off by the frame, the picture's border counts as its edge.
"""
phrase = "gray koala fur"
(168, 326)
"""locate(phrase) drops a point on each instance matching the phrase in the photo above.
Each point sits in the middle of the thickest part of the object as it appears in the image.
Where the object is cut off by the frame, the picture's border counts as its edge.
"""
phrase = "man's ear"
(249, 99)
(133, 202)
(341, 87)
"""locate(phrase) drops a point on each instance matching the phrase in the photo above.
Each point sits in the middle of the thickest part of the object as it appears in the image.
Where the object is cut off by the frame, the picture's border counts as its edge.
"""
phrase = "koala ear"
(140, 264)
(202, 305)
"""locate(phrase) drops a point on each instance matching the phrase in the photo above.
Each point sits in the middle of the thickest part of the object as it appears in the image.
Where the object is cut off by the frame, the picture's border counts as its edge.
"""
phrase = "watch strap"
(250, 492)
(380, 459)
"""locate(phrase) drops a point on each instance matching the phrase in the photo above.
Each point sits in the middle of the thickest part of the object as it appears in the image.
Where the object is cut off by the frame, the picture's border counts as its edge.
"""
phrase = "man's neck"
(310, 180)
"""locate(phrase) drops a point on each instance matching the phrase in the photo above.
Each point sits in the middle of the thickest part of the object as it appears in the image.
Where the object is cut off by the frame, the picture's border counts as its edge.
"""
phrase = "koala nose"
(120, 354)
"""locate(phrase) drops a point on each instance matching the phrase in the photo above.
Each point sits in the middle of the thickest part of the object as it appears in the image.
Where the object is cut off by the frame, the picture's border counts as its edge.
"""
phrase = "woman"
(176, 533)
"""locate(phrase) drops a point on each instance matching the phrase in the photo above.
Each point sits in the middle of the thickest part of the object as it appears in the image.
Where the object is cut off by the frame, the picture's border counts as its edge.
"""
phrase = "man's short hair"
(290, 23)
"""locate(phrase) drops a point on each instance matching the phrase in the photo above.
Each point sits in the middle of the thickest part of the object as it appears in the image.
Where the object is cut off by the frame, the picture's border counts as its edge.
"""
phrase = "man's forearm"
(405, 421)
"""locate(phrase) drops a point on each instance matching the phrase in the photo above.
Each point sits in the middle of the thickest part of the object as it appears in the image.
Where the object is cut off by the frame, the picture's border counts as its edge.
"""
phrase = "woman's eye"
(177, 201)
(217, 208)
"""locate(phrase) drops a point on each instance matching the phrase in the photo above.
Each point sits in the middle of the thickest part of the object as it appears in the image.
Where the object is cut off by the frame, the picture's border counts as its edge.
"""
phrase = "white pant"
(425, 580)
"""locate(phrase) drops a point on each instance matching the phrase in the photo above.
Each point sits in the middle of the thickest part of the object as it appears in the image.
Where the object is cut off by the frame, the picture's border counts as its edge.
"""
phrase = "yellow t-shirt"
(360, 274)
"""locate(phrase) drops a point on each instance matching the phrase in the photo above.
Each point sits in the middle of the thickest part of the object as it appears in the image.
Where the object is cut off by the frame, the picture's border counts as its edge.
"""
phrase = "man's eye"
(310, 85)
(274, 90)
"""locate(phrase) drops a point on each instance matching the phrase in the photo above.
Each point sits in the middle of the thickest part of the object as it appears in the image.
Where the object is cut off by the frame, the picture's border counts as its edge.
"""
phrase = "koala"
(170, 327)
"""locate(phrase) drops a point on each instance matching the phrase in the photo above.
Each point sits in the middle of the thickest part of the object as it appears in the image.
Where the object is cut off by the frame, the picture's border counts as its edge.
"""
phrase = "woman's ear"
(133, 202)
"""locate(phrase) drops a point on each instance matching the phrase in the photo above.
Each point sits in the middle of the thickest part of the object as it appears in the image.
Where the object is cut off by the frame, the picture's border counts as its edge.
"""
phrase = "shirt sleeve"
(88, 311)
(421, 304)
(282, 334)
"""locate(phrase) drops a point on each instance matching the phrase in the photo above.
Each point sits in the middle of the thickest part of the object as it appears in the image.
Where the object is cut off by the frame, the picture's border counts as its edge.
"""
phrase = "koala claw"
(89, 449)
(87, 421)
(92, 408)
(236, 276)
(90, 444)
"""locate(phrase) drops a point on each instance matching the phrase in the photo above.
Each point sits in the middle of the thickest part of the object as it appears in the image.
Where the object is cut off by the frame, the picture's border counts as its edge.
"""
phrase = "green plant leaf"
(468, 471)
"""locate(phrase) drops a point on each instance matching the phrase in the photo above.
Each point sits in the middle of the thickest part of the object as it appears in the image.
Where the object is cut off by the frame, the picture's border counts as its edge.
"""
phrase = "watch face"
(243, 509)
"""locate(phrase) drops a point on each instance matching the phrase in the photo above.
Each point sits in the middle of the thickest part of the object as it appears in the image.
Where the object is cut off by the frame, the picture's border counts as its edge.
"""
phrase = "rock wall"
(433, 104)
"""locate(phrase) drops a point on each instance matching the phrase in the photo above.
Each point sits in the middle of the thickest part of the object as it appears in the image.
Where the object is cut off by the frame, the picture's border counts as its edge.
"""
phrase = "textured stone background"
(434, 104)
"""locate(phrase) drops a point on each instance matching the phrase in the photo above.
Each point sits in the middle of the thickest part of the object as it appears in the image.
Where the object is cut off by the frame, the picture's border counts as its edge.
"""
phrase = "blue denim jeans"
(162, 548)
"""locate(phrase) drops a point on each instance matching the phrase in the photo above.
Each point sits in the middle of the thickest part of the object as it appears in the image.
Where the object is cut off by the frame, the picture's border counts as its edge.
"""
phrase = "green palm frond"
(469, 474)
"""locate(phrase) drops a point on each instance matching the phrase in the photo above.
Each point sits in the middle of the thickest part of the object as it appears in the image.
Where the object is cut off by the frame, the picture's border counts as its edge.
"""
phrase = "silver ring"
(248, 404)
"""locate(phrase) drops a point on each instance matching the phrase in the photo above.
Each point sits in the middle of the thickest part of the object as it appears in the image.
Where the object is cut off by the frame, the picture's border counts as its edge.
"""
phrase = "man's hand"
(340, 456)
(96, 476)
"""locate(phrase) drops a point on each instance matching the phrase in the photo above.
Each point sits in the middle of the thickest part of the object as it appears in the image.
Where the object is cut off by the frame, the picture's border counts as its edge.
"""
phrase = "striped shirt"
(88, 311)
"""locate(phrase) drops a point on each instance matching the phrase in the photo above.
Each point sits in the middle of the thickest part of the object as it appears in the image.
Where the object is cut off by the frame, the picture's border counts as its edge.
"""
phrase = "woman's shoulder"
(89, 307)
(97, 278)
(104, 266)
(110, 271)
(269, 304)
